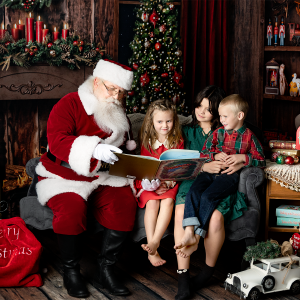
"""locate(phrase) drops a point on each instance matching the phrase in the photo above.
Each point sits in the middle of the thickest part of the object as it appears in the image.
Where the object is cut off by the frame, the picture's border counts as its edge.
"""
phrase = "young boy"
(237, 147)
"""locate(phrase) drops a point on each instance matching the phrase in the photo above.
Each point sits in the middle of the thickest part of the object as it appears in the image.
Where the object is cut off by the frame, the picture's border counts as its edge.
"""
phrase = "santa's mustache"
(110, 100)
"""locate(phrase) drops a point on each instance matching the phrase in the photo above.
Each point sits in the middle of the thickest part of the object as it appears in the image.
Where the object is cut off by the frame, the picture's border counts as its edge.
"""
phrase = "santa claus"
(83, 130)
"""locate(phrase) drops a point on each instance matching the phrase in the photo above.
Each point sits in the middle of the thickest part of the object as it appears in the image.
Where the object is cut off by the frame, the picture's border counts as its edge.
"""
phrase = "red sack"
(20, 254)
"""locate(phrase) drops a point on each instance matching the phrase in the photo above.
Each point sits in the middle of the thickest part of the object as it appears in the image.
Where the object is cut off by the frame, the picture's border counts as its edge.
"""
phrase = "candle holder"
(272, 69)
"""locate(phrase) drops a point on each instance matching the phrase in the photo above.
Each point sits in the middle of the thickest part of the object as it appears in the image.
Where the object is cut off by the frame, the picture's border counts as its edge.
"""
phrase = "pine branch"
(6, 62)
(3, 48)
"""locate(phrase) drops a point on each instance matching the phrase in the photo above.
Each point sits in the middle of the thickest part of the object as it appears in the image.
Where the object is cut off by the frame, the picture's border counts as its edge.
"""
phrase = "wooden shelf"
(283, 229)
(279, 97)
(282, 48)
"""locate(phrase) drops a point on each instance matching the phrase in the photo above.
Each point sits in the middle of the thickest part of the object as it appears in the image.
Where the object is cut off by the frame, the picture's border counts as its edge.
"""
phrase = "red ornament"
(130, 93)
(151, 34)
(157, 89)
(157, 46)
(177, 77)
(97, 49)
(171, 68)
(102, 53)
(135, 109)
(135, 66)
(75, 43)
(144, 79)
(7, 43)
(171, 6)
(164, 75)
(80, 48)
(154, 18)
(162, 28)
(26, 49)
(49, 45)
(289, 160)
(35, 49)
(31, 53)
(81, 43)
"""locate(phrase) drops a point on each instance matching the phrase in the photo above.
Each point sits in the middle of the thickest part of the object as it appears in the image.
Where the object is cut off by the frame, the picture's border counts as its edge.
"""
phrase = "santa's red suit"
(70, 179)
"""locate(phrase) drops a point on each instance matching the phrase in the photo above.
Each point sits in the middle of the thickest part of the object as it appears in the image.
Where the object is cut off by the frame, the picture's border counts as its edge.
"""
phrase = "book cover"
(287, 151)
(276, 144)
(173, 164)
(292, 211)
(288, 221)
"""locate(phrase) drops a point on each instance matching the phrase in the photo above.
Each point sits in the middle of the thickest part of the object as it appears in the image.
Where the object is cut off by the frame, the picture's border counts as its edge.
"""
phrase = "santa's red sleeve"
(62, 139)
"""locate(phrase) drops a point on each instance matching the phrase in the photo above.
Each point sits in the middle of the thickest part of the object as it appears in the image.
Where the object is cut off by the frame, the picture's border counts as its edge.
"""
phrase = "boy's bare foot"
(188, 239)
(188, 250)
(150, 247)
(156, 260)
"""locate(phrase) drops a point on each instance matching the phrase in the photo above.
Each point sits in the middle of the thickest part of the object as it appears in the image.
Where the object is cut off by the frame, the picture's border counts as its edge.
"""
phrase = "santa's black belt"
(57, 161)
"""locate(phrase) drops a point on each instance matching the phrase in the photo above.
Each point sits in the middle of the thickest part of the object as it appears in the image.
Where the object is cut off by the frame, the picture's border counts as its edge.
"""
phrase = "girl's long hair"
(148, 135)
(214, 95)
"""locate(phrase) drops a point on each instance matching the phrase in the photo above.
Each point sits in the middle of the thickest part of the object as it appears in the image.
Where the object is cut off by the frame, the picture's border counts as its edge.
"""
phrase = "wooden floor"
(144, 281)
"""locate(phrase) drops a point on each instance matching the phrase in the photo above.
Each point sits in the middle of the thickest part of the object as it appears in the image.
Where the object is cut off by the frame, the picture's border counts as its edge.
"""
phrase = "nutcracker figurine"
(269, 32)
(275, 32)
(272, 74)
(281, 32)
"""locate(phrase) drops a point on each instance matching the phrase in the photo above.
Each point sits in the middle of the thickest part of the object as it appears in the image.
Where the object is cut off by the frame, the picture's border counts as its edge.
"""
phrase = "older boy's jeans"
(203, 197)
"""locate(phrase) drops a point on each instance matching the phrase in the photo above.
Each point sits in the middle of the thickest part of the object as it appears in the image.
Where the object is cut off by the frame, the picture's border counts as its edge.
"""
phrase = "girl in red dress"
(160, 131)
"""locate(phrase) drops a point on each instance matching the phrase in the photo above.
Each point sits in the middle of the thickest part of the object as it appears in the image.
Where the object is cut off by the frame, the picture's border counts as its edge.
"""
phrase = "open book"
(173, 164)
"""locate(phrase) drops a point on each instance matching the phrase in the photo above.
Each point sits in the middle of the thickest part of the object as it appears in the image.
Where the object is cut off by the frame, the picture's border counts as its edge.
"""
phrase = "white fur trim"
(114, 73)
(81, 153)
(41, 171)
(109, 115)
(48, 188)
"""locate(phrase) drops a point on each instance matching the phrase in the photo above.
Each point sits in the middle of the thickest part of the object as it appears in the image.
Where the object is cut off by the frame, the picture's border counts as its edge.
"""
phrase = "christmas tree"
(262, 250)
(157, 58)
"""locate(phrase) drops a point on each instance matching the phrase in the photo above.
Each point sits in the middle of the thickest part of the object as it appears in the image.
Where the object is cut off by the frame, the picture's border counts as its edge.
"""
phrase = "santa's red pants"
(113, 207)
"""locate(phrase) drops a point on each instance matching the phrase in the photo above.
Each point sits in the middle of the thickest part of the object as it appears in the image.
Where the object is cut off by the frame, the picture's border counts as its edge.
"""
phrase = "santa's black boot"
(71, 250)
(111, 248)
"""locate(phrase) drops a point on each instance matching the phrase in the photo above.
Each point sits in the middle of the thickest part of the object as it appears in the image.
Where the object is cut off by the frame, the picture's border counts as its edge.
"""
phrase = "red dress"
(146, 195)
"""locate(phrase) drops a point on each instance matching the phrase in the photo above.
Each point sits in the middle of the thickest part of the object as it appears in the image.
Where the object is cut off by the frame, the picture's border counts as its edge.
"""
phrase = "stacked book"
(287, 148)
(288, 215)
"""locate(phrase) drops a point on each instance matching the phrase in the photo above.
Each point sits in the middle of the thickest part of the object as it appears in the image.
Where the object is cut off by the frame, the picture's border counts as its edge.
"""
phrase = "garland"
(27, 5)
(71, 52)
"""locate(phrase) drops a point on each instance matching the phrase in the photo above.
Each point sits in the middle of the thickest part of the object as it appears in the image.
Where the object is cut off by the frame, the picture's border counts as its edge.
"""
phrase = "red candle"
(55, 34)
(15, 33)
(29, 28)
(39, 28)
(21, 28)
(65, 32)
(2, 32)
(44, 32)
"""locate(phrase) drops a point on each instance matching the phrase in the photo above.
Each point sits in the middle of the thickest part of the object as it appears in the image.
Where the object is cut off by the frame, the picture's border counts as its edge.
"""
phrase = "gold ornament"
(144, 100)
(153, 67)
(52, 53)
(178, 52)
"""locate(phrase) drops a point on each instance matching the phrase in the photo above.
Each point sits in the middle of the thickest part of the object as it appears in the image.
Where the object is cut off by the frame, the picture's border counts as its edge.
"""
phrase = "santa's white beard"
(110, 115)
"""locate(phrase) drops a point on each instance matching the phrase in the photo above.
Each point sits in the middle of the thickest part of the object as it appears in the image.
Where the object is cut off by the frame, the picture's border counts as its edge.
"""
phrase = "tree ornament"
(147, 44)
(176, 99)
(164, 75)
(135, 109)
(171, 68)
(157, 46)
(142, 108)
(289, 160)
(144, 100)
(130, 93)
(75, 43)
(26, 49)
(171, 6)
(157, 89)
(177, 77)
(35, 49)
(154, 18)
(31, 53)
(151, 34)
(49, 45)
(274, 156)
(280, 159)
(296, 159)
(164, 10)
(144, 79)
(97, 49)
(135, 66)
(145, 17)
(7, 43)
(159, 6)
(178, 52)
(153, 67)
(80, 48)
(162, 28)
(52, 53)
(81, 43)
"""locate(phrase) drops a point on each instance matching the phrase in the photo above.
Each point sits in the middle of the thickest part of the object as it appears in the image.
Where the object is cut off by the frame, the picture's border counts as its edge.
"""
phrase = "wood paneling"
(248, 54)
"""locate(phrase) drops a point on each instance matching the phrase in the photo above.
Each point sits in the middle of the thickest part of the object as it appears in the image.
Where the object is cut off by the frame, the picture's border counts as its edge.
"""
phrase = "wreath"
(27, 5)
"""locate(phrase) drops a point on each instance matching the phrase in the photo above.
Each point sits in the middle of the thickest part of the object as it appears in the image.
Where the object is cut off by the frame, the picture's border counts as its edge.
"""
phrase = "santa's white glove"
(150, 186)
(104, 153)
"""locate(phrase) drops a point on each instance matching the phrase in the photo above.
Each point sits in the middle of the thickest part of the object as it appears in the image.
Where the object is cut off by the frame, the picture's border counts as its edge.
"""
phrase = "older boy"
(237, 147)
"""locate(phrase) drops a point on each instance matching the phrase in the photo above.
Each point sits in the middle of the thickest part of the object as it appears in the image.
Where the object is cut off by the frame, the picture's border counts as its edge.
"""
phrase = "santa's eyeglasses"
(112, 91)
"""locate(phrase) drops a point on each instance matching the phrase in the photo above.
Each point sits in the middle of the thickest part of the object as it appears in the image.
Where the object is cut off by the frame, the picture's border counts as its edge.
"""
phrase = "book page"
(179, 154)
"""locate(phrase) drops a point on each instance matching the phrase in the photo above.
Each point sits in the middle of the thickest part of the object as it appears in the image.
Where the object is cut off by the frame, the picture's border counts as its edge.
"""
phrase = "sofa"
(243, 228)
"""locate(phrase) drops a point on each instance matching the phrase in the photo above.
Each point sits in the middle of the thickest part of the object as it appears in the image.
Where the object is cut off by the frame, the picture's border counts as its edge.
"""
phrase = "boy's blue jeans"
(203, 197)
